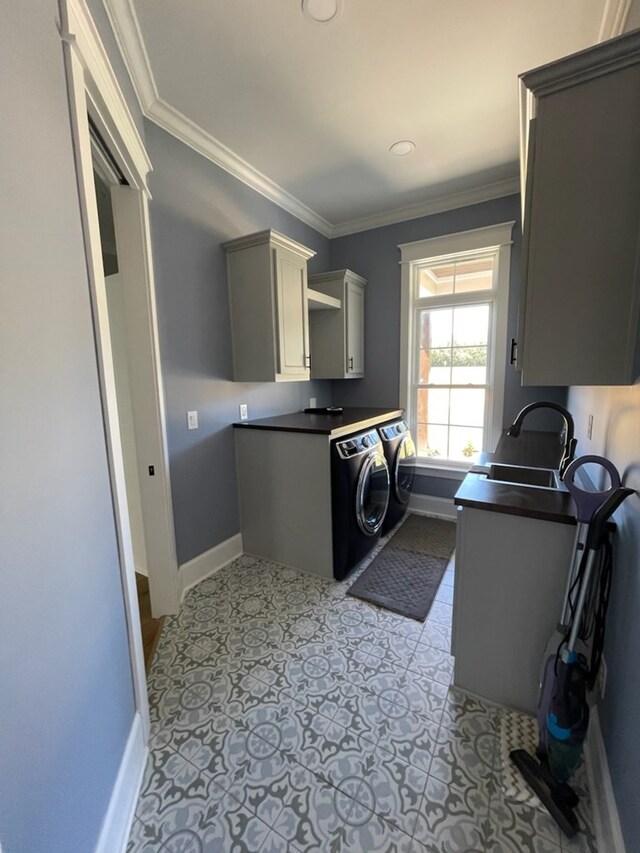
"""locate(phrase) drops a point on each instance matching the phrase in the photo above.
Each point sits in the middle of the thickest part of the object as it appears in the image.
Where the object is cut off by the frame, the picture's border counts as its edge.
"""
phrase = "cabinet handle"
(350, 362)
(513, 356)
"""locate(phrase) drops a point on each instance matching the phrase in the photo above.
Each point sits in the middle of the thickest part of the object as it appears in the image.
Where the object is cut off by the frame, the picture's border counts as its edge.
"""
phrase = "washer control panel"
(358, 444)
(390, 431)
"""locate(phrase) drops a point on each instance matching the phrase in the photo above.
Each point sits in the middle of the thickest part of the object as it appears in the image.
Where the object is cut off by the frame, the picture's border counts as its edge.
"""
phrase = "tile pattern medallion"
(288, 718)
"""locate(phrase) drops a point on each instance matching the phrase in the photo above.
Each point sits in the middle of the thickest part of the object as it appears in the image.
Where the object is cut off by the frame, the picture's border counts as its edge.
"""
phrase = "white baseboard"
(436, 507)
(605, 812)
(210, 561)
(117, 823)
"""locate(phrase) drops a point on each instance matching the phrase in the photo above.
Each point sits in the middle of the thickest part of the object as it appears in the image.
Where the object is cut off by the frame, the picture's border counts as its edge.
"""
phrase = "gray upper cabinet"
(267, 275)
(581, 166)
(337, 333)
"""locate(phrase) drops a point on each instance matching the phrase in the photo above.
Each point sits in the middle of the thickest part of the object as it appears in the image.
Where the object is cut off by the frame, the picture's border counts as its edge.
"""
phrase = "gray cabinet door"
(292, 313)
(582, 225)
(509, 584)
(354, 294)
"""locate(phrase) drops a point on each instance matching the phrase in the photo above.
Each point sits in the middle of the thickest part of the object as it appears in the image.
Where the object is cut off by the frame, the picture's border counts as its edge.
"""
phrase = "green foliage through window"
(459, 357)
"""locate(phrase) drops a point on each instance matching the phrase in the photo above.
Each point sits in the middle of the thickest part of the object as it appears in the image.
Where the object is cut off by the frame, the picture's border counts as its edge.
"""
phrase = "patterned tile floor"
(289, 717)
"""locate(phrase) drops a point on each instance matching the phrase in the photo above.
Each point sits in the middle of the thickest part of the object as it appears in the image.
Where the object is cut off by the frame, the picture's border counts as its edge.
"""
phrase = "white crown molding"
(128, 35)
(126, 29)
(614, 19)
(510, 186)
(187, 131)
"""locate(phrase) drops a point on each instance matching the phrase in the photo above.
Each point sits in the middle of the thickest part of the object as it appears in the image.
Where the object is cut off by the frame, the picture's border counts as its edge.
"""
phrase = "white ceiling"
(306, 112)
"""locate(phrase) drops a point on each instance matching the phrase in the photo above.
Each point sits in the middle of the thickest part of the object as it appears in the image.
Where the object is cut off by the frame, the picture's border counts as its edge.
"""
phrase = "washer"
(360, 496)
(400, 452)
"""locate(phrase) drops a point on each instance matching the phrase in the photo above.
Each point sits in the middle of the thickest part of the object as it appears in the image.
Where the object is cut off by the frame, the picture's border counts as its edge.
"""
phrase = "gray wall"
(196, 206)
(66, 694)
(374, 254)
(616, 435)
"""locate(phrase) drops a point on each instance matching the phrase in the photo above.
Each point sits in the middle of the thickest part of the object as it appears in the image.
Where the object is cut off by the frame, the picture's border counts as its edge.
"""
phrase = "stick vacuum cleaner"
(571, 668)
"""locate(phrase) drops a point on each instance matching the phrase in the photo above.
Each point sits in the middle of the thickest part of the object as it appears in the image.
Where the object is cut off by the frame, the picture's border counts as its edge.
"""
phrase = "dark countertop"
(350, 420)
(534, 449)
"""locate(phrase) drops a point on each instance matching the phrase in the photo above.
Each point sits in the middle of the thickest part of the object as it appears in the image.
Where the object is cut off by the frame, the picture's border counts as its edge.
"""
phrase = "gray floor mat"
(433, 536)
(406, 574)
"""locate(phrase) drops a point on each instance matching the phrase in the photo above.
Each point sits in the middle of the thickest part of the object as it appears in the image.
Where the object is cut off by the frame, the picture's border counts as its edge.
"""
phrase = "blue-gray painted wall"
(374, 254)
(66, 692)
(196, 207)
(616, 435)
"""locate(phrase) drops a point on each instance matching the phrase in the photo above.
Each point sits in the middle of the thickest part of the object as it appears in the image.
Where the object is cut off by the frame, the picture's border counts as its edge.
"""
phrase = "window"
(454, 317)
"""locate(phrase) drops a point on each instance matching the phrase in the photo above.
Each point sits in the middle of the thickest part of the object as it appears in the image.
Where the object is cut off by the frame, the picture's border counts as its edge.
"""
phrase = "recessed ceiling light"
(402, 147)
(322, 11)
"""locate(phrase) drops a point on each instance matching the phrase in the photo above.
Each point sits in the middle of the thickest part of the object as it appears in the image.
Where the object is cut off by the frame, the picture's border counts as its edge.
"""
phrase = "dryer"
(360, 495)
(400, 453)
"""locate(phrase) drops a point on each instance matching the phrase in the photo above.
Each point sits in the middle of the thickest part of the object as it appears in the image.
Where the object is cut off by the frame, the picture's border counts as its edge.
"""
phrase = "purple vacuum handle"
(587, 503)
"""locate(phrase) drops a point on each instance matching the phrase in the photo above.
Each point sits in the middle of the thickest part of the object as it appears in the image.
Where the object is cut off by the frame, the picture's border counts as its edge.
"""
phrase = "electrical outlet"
(192, 420)
(244, 411)
(590, 427)
(312, 402)
(602, 679)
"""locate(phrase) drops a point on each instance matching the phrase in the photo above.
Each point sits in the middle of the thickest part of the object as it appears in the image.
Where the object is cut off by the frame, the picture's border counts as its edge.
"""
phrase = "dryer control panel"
(357, 444)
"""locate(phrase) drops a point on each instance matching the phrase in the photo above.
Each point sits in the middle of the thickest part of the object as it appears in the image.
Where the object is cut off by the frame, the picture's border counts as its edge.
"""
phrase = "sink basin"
(541, 477)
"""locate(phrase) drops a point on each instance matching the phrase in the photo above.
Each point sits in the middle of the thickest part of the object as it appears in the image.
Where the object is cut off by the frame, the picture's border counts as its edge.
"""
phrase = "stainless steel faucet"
(570, 443)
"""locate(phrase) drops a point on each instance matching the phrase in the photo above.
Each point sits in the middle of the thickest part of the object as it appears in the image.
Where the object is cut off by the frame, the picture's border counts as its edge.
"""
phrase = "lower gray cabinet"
(510, 580)
(337, 333)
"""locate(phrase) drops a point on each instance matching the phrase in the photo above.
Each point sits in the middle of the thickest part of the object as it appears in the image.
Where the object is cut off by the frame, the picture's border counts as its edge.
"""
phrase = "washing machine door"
(403, 472)
(372, 493)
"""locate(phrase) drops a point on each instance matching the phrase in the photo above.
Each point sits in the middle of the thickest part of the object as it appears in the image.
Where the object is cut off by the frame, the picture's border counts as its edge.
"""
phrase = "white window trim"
(495, 238)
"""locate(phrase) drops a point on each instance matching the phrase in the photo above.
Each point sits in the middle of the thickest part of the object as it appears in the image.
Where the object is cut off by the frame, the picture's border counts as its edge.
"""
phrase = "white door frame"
(93, 90)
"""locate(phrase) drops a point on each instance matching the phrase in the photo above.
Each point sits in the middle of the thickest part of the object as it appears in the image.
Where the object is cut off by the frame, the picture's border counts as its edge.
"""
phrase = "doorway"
(104, 179)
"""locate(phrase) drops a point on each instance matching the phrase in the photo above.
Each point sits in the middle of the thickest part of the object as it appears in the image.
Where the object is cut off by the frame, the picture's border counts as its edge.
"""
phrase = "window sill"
(449, 472)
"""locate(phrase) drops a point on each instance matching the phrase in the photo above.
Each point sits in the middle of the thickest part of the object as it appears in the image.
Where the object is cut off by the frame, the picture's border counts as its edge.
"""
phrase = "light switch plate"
(244, 411)
(192, 420)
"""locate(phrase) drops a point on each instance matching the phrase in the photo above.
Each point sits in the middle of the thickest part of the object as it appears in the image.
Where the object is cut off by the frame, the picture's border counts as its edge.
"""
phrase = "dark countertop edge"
(558, 517)
(502, 503)
(245, 425)
(337, 430)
